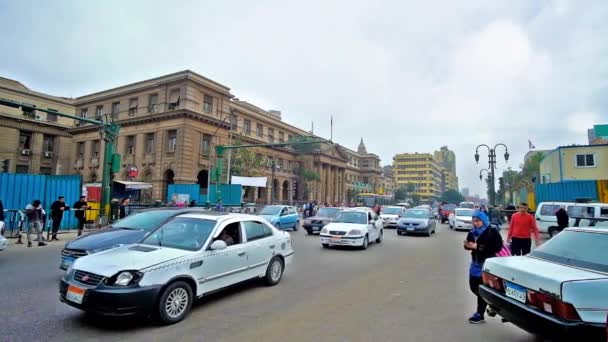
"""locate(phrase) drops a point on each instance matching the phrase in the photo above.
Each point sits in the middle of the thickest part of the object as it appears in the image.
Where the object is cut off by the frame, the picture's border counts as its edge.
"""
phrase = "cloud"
(408, 76)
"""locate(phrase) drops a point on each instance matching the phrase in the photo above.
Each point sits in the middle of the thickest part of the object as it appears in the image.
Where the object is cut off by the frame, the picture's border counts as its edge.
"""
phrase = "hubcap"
(275, 271)
(176, 302)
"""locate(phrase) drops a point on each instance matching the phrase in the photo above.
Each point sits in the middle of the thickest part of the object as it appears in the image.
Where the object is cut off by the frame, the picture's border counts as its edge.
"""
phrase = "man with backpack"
(483, 242)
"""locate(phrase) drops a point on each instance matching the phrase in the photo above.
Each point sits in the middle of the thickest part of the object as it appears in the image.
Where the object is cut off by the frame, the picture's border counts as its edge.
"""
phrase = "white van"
(547, 222)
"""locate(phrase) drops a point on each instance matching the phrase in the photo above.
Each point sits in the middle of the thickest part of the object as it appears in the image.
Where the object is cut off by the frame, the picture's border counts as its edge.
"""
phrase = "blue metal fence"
(231, 193)
(567, 191)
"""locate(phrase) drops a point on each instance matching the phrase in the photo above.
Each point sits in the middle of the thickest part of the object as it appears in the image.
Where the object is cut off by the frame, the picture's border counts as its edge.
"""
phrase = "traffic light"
(5, 165)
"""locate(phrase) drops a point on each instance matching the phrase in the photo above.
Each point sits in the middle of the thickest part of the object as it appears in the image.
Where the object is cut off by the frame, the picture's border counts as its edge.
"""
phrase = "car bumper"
(463, 226)
(413, 230)
(110, 301)
(313, 228)
(537, 322)
(389, 224)
(342, 241)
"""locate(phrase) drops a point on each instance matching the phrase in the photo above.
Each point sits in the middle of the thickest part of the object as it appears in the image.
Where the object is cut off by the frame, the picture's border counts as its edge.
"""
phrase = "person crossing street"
(522, 228)
(81, 206)
(57, 209)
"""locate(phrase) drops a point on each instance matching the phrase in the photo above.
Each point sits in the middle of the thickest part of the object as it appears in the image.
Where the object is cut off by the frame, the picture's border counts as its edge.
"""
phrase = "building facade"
(169, 127)
(447, 159)
(589, 162)
(422, 171)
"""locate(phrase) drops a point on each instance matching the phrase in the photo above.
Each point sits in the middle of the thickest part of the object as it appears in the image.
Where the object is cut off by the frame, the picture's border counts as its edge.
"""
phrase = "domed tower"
(361, 149)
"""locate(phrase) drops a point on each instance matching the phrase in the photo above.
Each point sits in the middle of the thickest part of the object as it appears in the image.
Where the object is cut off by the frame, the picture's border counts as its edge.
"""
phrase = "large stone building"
(447, 159)
(169, 127)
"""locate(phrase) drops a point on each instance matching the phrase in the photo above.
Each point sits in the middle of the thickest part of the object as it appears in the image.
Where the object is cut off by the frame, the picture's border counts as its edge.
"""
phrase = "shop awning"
(135, 185)
(259, 182)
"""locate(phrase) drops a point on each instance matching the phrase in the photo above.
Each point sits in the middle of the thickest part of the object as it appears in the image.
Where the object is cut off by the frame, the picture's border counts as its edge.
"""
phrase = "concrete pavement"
(405, 289)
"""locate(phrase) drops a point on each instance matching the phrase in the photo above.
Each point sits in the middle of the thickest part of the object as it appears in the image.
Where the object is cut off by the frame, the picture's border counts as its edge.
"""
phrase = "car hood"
(106, 238)
(404, 220)
(536, 273)
(344, 227)
(269, 218)
(132, 257)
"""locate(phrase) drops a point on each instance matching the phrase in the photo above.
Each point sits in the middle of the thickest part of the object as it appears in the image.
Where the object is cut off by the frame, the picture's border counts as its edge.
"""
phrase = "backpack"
(504, 251)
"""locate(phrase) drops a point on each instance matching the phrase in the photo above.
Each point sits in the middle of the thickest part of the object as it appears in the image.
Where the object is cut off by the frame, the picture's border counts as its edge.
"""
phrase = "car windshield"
(392, 211)
(467, 205)
(147, 220)
(182, 233)
(449, 207)
(351, 217)
(417, 214)
(271, 210)
(577, 249)
(464, 212)
(328, 212)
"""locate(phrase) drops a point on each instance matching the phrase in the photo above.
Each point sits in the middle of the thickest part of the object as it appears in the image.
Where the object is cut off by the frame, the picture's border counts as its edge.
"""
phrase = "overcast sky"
(407, 76)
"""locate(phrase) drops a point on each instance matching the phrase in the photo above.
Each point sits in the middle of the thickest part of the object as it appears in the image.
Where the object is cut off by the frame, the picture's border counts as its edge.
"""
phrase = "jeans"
(520, 246)
(56, 225)
(37, 225)
(474, 283)
(81, 222)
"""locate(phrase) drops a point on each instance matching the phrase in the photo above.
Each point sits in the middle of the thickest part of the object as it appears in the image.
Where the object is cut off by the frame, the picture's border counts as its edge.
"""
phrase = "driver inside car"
(229, 240)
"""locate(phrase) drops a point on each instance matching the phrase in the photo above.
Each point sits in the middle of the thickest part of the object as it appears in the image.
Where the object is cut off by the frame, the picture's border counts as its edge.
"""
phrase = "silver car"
(417, 221)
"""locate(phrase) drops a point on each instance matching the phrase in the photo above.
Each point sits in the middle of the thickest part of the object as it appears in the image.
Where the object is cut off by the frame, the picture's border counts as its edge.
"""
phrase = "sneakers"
(41, 243)
(476, 319)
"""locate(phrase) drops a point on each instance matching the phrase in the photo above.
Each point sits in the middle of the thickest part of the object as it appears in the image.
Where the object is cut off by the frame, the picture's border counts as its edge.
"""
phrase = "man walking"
(81, 206)
(522, 228)
(57, 209)
(34, 218)
(562, 218)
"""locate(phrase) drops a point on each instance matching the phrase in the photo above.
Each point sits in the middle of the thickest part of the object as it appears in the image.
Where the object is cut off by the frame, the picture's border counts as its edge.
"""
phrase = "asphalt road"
(404, 289)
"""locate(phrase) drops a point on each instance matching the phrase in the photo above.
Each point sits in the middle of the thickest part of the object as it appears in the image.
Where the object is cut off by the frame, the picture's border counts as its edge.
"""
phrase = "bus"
(370, 199)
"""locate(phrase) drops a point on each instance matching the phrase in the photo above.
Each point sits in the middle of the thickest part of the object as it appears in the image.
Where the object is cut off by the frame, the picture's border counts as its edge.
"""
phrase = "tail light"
(553, 306)
(493, 281)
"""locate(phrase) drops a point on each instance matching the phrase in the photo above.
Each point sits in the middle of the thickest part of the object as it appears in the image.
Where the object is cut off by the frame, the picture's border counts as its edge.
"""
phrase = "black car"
(314, 224)
(130, 229)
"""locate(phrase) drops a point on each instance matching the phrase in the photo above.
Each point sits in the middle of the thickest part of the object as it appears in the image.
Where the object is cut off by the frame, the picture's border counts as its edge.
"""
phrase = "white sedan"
(558, 291)
(353, 227)
(187, 257)
(461, 219)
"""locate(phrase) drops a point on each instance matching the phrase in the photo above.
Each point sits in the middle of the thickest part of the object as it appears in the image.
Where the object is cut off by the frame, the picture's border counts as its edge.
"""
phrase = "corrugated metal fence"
(231, 193)
(19, 190)
(567, 191)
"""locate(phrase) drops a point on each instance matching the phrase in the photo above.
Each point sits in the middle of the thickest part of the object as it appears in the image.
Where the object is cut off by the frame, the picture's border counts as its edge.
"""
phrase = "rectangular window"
(99, 112)
(153, 103)
(260, 130)
(289, 137)
(174, 99)
(585, 160)
(247, 126)
(206, 144)
(84, 113)
(22, 169)
(80, 150)
(130, 146)
(207, 104)
(48, 143)
(95, 148)
(25, 140)
(133, 104)
(281, 137)
(51, 117)
(149, 143)
(171, 141)
(115, 109)
(271, 135)
(46, 171)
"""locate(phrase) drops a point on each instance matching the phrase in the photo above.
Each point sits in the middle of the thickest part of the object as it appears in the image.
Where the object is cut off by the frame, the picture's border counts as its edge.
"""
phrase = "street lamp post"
(492, 164)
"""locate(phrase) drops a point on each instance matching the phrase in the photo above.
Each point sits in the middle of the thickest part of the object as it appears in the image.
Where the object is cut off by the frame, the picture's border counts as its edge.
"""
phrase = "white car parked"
(558, 291)
(390, 215)
(461, 219)
(187, 257)
(353, 227)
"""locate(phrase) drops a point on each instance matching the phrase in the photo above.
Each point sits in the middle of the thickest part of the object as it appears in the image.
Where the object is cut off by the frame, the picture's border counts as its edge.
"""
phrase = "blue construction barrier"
(567, 191)
(231, 193)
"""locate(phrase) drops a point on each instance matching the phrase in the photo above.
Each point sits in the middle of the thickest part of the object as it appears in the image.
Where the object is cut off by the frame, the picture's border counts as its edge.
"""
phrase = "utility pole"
(272, 196)
(492, 164)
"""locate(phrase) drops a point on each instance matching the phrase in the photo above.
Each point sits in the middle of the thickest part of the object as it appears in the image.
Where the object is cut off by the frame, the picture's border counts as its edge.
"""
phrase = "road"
(404, 289)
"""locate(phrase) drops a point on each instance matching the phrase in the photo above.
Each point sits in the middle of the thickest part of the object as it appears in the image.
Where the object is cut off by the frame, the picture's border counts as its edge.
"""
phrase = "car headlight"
(125, 278)
(324, 231)
(355, 232)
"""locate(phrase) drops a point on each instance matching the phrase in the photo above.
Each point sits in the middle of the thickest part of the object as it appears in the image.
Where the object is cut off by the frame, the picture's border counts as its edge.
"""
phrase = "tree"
(451, 196)
(245, 162)
(405, 191)
(415, 200)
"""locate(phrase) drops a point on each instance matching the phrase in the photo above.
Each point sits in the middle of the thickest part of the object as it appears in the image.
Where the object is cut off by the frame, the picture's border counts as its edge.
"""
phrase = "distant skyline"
(407, 76)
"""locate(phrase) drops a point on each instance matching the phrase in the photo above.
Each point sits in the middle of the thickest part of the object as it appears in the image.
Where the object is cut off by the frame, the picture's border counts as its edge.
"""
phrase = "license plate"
(516, 292)
(75, 294)
(336, 237)
(410, 228)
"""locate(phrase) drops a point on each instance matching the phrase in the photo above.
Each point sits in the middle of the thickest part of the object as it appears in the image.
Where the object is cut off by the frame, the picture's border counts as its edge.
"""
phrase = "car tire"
(295, 228)
(365, 242)
(325, 245)
(175, 303)
(274, 272)
(379, 239)
(277, 226)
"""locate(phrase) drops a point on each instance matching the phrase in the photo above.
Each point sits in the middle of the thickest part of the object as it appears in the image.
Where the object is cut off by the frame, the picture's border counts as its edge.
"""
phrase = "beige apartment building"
(169, 128)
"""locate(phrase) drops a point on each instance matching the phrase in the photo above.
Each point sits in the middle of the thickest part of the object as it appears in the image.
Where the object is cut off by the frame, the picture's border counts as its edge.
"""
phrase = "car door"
(260, 244)
(546, 216)
(221, 268)
(293, 216)
(284, 218)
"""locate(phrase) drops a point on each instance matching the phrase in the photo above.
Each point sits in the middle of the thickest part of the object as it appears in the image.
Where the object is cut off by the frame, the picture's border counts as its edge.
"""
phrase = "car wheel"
(379, 239)
(325, 245)
(274, 273)
(175, 303)
(295, 228)
(365, 242)
(277, 226)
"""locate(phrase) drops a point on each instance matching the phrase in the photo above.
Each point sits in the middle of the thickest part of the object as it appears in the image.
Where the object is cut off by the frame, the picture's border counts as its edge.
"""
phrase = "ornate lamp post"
(492, 164)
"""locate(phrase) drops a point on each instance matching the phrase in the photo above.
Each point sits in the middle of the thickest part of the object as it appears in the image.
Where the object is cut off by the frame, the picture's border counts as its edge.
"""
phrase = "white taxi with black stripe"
(185, 258)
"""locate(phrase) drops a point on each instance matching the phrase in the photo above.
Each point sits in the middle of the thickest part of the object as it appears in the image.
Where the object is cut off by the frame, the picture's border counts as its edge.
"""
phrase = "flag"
(531, 145)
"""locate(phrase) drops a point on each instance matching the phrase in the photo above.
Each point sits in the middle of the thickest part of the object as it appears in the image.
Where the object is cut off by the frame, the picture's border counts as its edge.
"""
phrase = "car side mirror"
(218, 245)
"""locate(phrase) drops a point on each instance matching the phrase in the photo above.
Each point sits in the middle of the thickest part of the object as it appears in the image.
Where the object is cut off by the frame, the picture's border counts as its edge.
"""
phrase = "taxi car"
(187, 257)
(353, 227)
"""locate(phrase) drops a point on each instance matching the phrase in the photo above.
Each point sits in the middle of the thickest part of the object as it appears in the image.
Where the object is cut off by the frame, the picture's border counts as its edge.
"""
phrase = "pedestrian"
(57, 209)
(81, 206)
(522, 228)
(34, 218)
(377, 209)
(562, 218)
(1, 212)
(123, 208)
(483, 243)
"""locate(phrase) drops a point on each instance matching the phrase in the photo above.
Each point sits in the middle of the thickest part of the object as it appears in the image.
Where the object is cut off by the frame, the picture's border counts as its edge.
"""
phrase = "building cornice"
(33, 125)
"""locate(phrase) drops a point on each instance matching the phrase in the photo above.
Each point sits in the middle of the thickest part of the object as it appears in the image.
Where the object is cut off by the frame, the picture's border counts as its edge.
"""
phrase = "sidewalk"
(63, 236)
